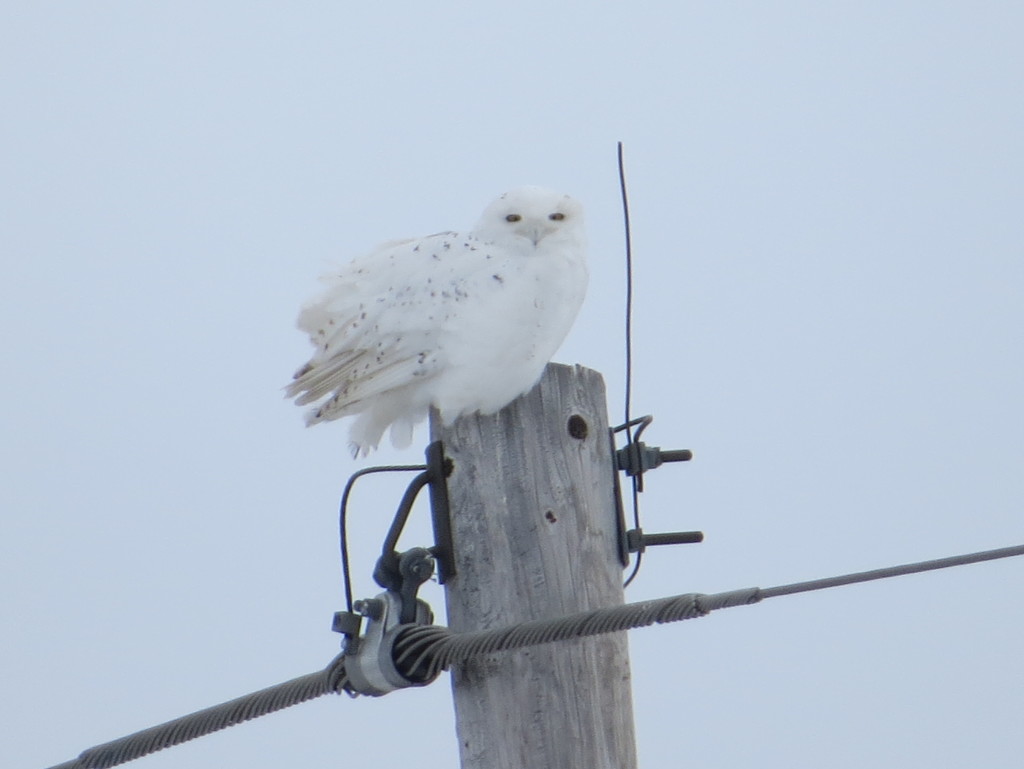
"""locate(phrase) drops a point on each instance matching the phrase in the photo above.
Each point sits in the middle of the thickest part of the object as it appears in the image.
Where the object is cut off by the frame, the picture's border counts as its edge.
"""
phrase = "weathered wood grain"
(534, 532)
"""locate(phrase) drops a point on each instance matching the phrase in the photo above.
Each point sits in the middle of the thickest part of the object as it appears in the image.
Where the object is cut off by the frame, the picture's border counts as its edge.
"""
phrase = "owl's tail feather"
(401, 433)
(366, 432)
(392, 410)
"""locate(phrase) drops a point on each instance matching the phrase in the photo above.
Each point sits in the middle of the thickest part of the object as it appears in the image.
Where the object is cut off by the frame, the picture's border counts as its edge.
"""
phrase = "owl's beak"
(538, 233)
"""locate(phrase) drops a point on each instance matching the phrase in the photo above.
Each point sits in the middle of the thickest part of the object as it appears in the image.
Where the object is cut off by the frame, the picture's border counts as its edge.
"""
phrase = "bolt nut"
(372, 608)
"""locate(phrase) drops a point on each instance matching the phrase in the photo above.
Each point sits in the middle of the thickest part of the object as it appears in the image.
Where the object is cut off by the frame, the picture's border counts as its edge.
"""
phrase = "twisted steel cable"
(331, 679)
(429, 650)
(421, 652)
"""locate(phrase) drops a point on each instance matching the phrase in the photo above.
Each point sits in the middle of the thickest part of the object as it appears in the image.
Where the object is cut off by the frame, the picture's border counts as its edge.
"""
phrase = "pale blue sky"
(830, 274)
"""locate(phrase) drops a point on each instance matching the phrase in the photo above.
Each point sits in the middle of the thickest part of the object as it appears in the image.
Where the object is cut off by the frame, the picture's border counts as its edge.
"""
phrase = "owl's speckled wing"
(462, 322)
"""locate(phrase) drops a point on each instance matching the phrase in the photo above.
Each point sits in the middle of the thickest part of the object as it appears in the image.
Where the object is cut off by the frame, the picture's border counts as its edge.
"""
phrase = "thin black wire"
(346, 571)
(629, 293)
(629, 352)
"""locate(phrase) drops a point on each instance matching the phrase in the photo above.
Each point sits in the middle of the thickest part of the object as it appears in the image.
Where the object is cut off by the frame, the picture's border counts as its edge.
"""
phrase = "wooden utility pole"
(535, 537)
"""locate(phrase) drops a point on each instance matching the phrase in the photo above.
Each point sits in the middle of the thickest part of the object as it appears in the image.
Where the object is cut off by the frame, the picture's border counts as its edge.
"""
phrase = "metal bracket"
(440, 467)
(435, 476)
(635, 459)
(369, 659)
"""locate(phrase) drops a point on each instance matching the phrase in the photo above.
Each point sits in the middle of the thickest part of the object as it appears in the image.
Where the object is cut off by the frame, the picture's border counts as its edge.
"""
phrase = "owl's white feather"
(462, 322)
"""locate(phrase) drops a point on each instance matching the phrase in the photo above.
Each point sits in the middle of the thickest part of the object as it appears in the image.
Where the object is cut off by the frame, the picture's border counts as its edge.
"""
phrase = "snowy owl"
(463, 322)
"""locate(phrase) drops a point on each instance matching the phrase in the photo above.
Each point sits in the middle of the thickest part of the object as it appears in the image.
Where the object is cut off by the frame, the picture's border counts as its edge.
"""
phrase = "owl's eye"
(513, 218)
(556, 217)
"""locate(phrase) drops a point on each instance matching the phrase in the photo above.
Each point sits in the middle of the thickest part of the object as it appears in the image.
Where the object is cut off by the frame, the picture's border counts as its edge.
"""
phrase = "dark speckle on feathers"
(427, 316)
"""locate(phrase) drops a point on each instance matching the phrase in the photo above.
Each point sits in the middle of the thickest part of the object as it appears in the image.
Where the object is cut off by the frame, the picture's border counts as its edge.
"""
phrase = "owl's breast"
(504, 329)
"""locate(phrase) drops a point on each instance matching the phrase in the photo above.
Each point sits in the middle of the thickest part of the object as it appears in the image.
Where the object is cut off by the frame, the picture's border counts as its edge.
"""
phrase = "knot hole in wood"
(578, 427)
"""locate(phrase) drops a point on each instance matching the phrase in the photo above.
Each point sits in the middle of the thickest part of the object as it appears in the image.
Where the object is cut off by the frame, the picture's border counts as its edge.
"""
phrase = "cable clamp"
(369, 658)
(369, 663)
